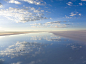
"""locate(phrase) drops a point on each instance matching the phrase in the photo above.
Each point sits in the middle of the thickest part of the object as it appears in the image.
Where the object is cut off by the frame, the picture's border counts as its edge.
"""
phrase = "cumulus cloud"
(36, 2)
(22, 15)
(22, 48)
(54, 24)
(80, 14)
(83, 0)
(14, 1)
(75, 13)
(36, 24)
(1, 5)
(80, 4)
(69, 3)
(47, 23)
(72, 14)
(17, 63)
(67, 16)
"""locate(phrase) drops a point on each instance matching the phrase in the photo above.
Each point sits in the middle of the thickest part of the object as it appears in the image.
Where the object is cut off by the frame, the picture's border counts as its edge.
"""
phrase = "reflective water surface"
(41, 48)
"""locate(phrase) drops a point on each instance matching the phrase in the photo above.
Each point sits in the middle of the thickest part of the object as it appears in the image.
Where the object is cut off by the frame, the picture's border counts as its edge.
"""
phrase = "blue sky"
(27, 15)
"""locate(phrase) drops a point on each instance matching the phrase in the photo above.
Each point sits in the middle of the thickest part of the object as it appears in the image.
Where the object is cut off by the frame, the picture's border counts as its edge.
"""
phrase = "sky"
(42, 15)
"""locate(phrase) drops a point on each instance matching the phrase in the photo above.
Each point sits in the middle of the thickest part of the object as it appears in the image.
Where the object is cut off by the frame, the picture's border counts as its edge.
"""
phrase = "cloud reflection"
(47, 37)
(1, 61)
(17, 63)
(33, 62)
(21, 48)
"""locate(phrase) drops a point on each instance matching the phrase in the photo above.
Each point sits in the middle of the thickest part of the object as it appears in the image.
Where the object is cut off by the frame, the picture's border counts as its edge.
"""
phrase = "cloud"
(22, 15)
(1, 6)
(14, 1)
(83, 0)
(72, 14)
(36, 24)
(17, 63)
(47, 37)
(73, 47)
(22, 48)
(69, 3)
(36, 2)
(80, 4)
(67, 24)
(75, 14)
(80, 14)
(54, 24)
(47, 23)
(67, 16)
(32, 62)
(1, 61)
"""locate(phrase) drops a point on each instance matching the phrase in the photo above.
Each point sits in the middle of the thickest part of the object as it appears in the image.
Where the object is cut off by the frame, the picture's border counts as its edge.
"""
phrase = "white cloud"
(36, 24)
(36, 2)
(42, 10)
(75, 14)
(21, 48)
(17, 63)
(14, 1)
(69, 3)
(32, 62)
(22, 15)
(67, 16)
(80, 14)
(73, 47)
(1, 6)
(80, 4)
(50, 18)
(54, 24)
(72, 14)
(83, 0)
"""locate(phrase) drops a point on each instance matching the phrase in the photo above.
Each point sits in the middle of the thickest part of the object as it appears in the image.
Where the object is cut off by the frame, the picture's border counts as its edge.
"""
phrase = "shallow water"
(41, 48)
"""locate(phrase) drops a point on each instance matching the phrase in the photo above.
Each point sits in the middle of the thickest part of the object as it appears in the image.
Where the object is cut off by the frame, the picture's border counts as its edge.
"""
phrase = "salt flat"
(76, 35)
(14, 33)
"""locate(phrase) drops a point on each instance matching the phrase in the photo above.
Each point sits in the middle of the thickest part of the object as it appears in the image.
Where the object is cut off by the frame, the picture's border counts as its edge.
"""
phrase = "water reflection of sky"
(41, 48)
